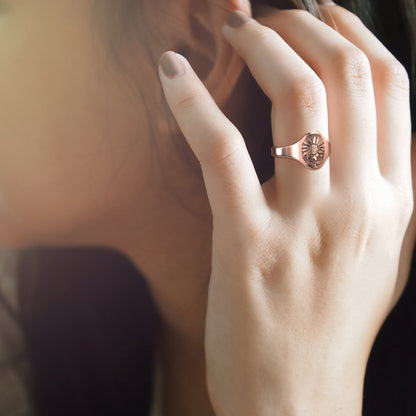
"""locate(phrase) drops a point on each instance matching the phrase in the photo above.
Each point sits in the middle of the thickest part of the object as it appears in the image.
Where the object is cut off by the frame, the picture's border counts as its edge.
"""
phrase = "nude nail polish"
(236, 18)
(171, 65)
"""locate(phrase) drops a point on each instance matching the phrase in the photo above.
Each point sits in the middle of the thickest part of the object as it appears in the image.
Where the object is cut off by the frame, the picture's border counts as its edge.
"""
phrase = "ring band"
(311, 150)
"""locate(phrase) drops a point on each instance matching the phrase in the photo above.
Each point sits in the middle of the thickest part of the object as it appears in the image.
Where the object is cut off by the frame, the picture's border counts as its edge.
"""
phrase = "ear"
(206, 48)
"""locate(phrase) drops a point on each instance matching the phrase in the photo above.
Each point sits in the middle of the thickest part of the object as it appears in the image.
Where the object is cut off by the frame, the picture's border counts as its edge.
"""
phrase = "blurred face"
(74, 148)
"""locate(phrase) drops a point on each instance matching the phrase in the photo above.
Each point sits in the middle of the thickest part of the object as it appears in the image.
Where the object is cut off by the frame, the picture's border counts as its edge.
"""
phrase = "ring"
(311, 150)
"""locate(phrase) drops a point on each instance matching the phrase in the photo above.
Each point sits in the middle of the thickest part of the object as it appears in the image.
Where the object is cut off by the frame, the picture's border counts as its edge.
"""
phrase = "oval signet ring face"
(314, 150)
(311, 150)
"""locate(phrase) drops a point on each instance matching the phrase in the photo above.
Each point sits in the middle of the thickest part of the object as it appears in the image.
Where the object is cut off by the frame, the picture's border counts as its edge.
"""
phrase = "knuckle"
(353, 66)
(297, 13)
(391, 74)
(349, 17)
(397, 211)
(190, 100)
(262, 34)
(402, 198)
(407, 206)
(306, 90)
(225, 148)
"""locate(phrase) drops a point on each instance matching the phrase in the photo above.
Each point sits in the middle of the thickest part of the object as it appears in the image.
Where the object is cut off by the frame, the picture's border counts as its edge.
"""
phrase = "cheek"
(73, 145)
(72, 169)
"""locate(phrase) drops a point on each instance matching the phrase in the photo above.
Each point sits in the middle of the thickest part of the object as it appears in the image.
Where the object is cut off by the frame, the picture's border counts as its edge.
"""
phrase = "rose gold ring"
(311, 150)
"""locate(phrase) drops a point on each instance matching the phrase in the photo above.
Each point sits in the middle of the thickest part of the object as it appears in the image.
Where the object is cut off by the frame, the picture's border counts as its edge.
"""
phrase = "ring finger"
(298, 103)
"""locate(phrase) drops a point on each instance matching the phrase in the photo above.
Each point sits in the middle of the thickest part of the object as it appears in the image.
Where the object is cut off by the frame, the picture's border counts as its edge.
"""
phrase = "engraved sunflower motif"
(313, 150)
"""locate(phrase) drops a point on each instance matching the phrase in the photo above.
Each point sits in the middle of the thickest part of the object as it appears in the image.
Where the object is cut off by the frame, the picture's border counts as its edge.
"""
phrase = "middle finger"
(299, 105)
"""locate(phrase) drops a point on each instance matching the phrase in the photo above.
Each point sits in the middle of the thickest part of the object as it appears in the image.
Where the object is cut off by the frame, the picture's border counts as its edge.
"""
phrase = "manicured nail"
(171, 64)
(236, 18)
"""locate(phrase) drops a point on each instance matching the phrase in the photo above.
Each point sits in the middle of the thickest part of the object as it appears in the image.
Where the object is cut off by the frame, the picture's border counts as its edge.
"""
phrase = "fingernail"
(171, 65)
(236, 18)
(328, 3)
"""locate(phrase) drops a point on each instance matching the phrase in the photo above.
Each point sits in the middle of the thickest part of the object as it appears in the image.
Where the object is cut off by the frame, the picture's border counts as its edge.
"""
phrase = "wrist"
(338, 398)
(345, 401)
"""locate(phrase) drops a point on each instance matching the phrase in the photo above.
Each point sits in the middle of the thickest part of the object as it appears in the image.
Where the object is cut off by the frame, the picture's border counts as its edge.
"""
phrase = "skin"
(77, 166)
(322, 275)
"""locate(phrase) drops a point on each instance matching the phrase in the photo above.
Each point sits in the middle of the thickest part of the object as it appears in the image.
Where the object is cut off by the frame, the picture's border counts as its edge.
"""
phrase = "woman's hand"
(304, 267)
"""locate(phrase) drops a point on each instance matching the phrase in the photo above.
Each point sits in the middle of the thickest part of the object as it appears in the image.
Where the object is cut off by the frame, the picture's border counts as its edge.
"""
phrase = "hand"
(304, 267)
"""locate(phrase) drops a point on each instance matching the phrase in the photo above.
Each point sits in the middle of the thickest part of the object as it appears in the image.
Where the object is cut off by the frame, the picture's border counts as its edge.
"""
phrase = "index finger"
(232, 185)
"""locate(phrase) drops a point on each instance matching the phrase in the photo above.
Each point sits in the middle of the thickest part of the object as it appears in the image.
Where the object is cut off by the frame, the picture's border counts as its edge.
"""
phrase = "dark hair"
(88, 317)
